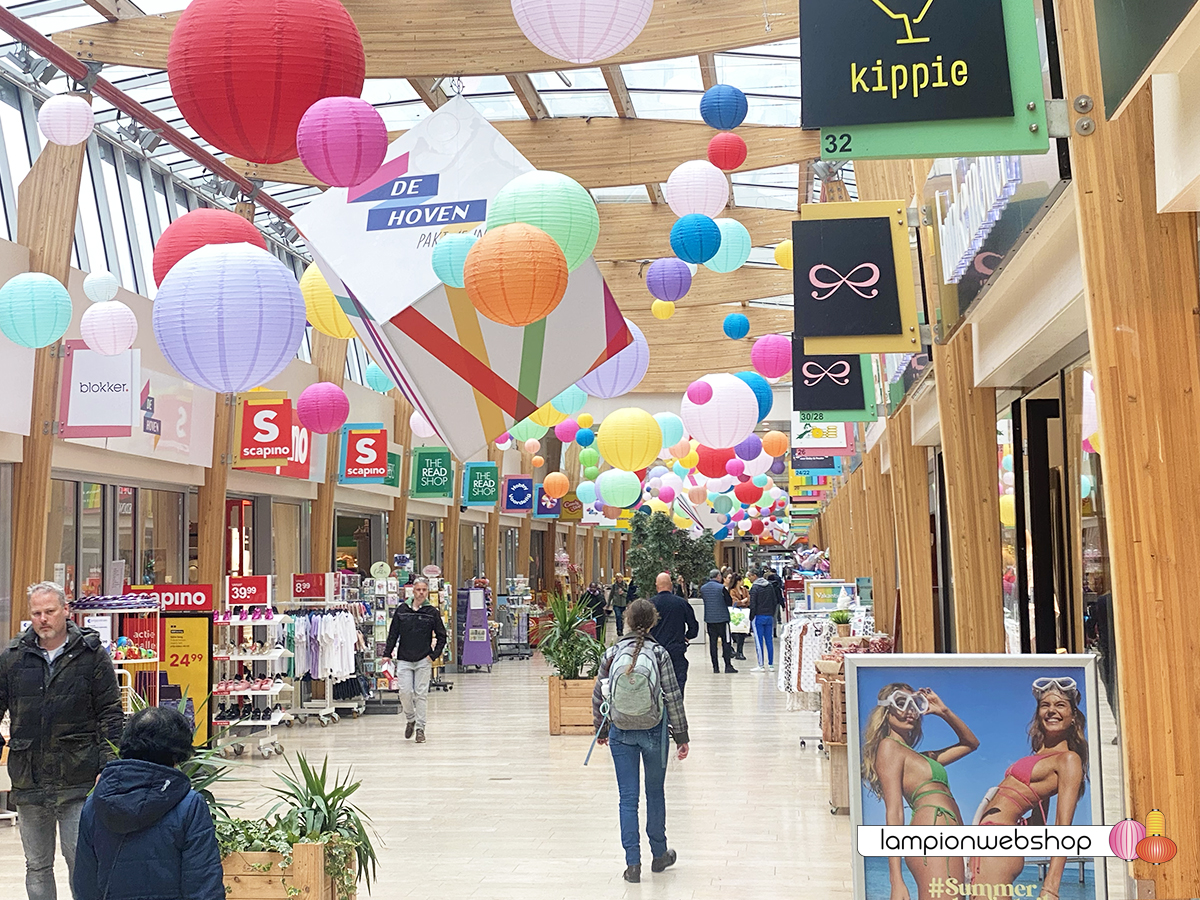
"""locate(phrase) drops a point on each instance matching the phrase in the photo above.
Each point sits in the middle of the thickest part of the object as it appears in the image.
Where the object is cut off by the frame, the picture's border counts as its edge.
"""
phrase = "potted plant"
(841, 618)
(574, 655)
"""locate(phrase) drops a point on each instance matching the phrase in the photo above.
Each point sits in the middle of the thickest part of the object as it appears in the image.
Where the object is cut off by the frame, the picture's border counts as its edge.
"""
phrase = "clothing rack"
(339, 693)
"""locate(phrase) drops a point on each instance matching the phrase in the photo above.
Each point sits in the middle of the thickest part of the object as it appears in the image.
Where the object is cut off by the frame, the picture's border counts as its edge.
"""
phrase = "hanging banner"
(517, 496)
(263, 429)
(827, 439)
(299, 461)
(363, 459)
(544, 506)
(815, 465)
(432, 473)
(835, 388)
(394, 462)
(98, 396)
(178, 598)
(571, 508)
(481, 484)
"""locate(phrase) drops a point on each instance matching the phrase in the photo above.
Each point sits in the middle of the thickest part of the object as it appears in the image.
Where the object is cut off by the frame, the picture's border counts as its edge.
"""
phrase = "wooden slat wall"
(525, 532)
(1141, 278)
(491, 531)
(910, 499)
(882, 548)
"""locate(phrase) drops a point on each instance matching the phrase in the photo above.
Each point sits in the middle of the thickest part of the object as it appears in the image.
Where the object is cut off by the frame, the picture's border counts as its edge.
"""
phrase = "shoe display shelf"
(250, 667)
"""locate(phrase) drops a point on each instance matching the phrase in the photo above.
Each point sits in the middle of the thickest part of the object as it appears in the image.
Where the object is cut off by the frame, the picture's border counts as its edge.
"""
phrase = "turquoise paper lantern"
(695, 238)
(449, 257)
(734, 249)
(586, 492)
(378, 380)
(722, 504)
(760, 480)
(570, 401)
(35, 309)
(527, 429)
(672, 428)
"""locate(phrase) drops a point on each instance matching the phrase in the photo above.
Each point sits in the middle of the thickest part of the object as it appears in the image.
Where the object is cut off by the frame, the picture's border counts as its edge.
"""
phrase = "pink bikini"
(1022, 770)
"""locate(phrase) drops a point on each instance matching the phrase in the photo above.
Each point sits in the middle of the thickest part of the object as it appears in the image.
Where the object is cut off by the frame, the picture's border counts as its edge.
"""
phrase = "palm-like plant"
(567, 647)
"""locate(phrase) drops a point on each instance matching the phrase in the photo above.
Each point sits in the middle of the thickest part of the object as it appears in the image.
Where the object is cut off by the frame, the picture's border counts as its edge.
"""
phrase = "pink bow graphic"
(848, 280)
(838, 373)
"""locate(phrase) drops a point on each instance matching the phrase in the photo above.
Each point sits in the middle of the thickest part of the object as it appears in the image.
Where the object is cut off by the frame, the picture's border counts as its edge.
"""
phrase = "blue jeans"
(764, 636)
(38, 822)
(628, 747)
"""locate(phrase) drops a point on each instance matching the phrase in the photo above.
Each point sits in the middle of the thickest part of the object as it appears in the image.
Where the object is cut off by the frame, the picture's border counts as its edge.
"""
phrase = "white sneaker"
(758, 669)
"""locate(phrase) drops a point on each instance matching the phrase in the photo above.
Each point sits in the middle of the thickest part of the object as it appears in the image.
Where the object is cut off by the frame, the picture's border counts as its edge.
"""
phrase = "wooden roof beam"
(708, 69)
(522, 86)
(619, 90)
(115, 9)
(433, 96)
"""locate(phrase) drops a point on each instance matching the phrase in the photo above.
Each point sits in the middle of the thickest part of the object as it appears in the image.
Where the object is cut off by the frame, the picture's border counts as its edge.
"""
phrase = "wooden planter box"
(571, 706)
(257, 876)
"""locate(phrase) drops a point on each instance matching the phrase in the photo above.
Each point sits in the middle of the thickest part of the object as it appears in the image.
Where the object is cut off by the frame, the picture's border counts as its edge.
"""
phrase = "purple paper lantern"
(668, 279)
(778, 467)
(623, 372)
(323, 407)
(748, 449)
(229, 317)
(342, 140)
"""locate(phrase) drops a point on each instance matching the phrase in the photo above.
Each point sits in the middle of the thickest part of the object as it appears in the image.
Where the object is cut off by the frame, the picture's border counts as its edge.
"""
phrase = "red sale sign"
(248, 590)
(364, 454)
(264, 429)
(310, 587)
(178, 598)
(297, 465)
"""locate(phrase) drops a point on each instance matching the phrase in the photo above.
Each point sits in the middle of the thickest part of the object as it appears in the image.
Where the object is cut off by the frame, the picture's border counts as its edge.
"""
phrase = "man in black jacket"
(415, 629)
(58, 684)
(676, 625)
(716, 619)
(765, 600)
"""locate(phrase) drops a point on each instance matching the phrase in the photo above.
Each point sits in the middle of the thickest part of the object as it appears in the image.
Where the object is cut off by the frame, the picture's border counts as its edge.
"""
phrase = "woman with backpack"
(636, 707)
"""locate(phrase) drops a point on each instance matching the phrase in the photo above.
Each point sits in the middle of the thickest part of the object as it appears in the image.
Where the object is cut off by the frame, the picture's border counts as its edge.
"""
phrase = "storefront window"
(125, 550)
(160, 533)
(508, 553)
(193, 537)
(285, 540)
(61, 536)
(91, 540)
(1008, 532)
(537, 554)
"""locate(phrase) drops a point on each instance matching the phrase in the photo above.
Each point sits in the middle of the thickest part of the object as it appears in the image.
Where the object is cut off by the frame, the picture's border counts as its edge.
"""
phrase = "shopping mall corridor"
(492, 807)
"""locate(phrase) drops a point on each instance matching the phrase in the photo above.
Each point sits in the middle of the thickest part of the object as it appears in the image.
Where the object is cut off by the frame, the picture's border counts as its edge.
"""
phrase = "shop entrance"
(360, 541)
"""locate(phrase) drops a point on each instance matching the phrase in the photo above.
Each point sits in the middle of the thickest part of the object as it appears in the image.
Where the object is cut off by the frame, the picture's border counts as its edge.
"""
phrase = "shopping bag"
(739, 620)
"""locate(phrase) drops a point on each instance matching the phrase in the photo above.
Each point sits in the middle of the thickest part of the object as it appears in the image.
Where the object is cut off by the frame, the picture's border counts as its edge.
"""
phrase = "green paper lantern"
(722, 504)
(589, 456)
(526, 429)
(591, 472)
(556, 204)
(35, 309)
(620, 488)
(734, 249)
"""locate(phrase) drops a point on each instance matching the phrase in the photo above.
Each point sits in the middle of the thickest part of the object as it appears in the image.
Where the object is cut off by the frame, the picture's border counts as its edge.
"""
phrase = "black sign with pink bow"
(845, 278)
(824, 384)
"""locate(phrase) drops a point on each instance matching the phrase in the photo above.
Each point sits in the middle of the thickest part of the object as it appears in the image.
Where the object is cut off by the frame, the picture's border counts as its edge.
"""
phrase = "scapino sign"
(178, 598)
(264, 429)
(364, 450)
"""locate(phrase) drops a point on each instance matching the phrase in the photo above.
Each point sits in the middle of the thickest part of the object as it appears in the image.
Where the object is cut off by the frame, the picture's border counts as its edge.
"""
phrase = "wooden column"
(450, 540)
(877, 490)
(552, 454)
(968, 422)
(47, 202)
(525, 532)
(1141, 281)
(210, 500)
(397, 533)
(589, 554)
(910, 509)
(329, 356)
(606, 568)
(491, 530)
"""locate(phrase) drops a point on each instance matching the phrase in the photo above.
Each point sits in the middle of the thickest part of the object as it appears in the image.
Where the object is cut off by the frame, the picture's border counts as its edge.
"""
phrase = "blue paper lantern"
(449, 256)
(585, 437)
(378, 380)
(35, 309)
(734, 249)
(762, 392)
(229, 317)
(721, 533)
(695, 238)
(723, 107)
(736, 326)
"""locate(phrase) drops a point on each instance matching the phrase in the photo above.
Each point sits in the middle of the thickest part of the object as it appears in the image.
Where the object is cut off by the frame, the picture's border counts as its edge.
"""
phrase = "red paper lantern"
(1156, 849)
(197, 229)
(748, 492)
(757, 527)
(244, 72)
(712, 461)
(726, 151)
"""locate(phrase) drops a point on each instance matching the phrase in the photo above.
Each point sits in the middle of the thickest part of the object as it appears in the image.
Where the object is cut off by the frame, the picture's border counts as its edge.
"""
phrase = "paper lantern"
(661, 309)
(515, 274)
(585, 420)
(760, 481)
(723, 107)
(321, 305)
(526, 430)
(1124, 838)
(734, 249)
(570, 401)
(581, 32)
(666, 494)
(421, 426)
(726, 151)
(532, 445)
(591, 472)
(629, 438)
(695, 238)
(66, 119)
(586, 492)
(585, 437)
(197, 229)
(771, 355)
(229, 317)
(711, 461)
(1156, 849)
(108, 328)
(566, 431)
(1008, 511)
(100, 286)
(783, 254)
(342, 140)
(721, 533)
(775, 443)
(619, 488)
(671, 426)
(35, 309)
(778, 467)
(556, 485)
(762, 391)
(623, 372)
(244, 72)
(449, 256)
(699, 187)
(683, 447)
(547, 415)
(554, 203)
(729, 415)
(377, 379)
(699, 392)
(589, 456)
(750, 448)
(668, 279)
(538, 461)
(323, 407)
(722, 504)
(736, 326)
(757, 527)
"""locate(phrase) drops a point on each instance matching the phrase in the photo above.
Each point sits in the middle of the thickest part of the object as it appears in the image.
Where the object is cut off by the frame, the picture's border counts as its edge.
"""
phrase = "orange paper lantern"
(556, 485)
(538, 462)
(515, 274)
(775, 443)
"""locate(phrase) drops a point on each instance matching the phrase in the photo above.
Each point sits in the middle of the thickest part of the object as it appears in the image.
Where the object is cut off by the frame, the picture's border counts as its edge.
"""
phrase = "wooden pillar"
(910, 509)
(525, 532)
(450, 541)
(329, 356)
(589, 555)
(606, 568)
(552, 454)
(210, 501)
(47, 202)
(882, 548)
(1141, 281)
(397, 533)
(491, 531)
(968, 422)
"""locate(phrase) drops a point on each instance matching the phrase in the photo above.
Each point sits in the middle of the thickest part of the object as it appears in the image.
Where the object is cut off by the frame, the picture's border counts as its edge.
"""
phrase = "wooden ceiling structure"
(429, 43)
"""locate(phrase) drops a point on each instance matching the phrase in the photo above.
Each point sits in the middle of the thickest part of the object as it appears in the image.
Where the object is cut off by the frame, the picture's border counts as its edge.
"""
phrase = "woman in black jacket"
(144, 833)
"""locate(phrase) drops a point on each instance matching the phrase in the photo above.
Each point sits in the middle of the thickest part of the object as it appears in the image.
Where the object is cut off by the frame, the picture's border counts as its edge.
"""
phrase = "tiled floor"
(493, 807)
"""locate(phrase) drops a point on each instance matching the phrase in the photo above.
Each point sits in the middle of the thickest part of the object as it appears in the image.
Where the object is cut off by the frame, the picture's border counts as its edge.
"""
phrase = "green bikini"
(937, 783)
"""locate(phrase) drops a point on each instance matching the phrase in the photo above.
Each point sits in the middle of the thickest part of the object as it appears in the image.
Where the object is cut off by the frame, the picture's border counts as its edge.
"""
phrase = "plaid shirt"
(672, 695)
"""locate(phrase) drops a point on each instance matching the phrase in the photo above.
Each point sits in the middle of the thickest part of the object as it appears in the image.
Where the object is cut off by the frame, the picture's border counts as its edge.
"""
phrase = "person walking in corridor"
(741, 599)
(414, 630)
(637, 708)
(618, 599)
(58, 684)
(764, 601)
(676, 626)
(716, 619)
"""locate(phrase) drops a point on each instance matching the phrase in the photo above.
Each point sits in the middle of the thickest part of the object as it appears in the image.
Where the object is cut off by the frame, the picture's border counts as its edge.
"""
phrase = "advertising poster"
(988, 740)
(98, 392)
(825, 594)
(187, 648)
(262, 429)
(364, 449)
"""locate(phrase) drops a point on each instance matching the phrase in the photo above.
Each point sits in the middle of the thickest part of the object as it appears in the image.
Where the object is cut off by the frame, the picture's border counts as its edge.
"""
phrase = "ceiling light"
(43, 70)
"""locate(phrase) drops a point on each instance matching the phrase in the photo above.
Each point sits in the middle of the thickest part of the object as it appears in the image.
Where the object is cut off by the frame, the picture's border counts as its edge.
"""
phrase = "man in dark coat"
(676, 625)
(415, 630)
(58, 684)
(716, 619)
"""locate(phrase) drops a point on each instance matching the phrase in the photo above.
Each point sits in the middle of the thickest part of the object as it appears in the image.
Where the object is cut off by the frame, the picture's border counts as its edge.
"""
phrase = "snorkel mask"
(903, 701)
(1064, 685)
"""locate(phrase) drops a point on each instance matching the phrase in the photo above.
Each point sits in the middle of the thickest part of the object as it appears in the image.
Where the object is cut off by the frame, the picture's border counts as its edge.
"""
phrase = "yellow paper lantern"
(322, 307)
(629, 439)
(657, 505)
(662, 309)
(690, 460)
(783, 255)
(585, 420)
(682, 522)
(1008, 510)
(547, 415)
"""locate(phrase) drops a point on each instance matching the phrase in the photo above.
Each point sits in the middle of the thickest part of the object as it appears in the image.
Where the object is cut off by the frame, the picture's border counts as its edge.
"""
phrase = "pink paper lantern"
(697, 186)
(1124, 838)
(666, 494)
(66, 119)
(108, 328)
(420, 425)
(342, 140)
(735, 467)
(565, 431)
(771, 355)
(323, 407)
(581, 32)
(699, 392)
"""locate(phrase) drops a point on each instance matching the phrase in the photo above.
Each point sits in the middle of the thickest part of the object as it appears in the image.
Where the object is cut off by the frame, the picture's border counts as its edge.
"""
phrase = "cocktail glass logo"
(1130, 840)
(402, 197)
(904, 17)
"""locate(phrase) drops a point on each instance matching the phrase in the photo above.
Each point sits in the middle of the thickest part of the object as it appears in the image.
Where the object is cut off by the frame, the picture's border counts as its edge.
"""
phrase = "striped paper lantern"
(581, 31)
(323, 407)
(697, 186)
(200, 227)
(623, 372)
(342, 140)
(66, 119)
(35, 309)
(108, 328)
(1124, 838)
(668, 279)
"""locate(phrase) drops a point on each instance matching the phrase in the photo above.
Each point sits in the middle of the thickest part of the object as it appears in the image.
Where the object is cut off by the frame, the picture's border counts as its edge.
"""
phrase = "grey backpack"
(635, 696)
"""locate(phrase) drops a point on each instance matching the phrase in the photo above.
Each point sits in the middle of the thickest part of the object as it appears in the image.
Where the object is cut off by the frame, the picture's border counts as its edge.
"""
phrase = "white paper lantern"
(760, 465)
(697, 186)
(581, 31)
(66, 119)
(101, 286)
(108, 328)
(420, 425)
(726, 417)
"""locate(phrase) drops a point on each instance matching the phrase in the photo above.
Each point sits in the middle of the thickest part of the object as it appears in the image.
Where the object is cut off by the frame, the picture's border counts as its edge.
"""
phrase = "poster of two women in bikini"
(973, 740)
